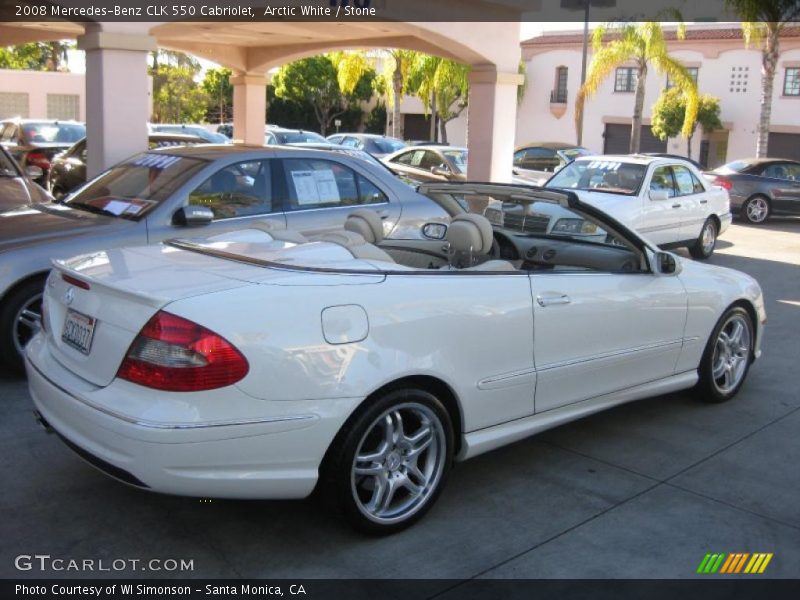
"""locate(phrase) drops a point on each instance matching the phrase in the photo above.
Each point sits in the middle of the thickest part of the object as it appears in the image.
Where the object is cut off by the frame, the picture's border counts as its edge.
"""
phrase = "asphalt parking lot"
(641, 491)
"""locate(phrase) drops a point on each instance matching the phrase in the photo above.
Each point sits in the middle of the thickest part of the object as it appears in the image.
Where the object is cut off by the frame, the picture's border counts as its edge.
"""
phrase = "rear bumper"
(725, 222)
(272, 458)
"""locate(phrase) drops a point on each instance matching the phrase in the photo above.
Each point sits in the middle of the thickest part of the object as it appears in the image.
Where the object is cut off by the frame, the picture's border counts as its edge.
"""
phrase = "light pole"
(584, 5)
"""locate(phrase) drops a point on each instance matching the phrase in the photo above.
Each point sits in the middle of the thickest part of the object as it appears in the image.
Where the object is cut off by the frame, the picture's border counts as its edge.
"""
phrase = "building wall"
(739, 110)
(37, 85)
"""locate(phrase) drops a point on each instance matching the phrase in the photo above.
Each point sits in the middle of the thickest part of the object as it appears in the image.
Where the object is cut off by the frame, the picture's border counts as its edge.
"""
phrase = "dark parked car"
(429, 163)
(68, 170)
(760, 187)
(185, 129)
(377, 145)
(36, 142)
(16, 187)
(539, 160)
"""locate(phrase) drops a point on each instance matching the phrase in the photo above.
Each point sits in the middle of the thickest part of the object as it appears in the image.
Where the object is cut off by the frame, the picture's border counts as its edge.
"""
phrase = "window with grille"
(13, 104)
(559, 94)
(63, 107)
(625, 80)
(791, 82)
(739, 77)
(693, 73)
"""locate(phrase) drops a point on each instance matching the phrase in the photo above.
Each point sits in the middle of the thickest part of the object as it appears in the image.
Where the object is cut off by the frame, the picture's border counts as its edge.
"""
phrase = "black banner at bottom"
(405, 589)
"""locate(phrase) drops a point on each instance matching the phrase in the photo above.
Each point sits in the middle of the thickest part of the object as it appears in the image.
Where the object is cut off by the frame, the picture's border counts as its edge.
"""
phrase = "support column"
(492, 123)
(117, 96)
(249, 108)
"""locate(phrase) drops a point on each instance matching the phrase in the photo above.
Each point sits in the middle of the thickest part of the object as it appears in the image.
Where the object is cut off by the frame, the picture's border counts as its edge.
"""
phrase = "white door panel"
(599, 332)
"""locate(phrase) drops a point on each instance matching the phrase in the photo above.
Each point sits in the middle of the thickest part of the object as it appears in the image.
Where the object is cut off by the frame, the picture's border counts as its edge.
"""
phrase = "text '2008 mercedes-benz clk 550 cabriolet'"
(261, 364)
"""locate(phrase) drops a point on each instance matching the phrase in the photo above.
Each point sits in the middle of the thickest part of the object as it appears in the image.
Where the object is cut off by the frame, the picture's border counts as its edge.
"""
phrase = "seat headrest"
(367, 224)
(470, 233)
(348, 239)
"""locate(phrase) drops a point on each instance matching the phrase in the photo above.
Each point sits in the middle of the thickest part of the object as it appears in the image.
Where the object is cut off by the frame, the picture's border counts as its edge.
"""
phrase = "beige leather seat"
(356, 244)
(367, 224)
(279, 233)
(471, 238)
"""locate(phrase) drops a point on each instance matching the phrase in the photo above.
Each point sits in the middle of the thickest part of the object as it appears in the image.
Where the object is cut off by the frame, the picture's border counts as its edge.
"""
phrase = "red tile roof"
(728, 33)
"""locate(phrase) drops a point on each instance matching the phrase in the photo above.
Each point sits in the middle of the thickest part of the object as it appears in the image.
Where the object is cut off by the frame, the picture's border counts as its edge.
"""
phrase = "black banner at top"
(342, 11)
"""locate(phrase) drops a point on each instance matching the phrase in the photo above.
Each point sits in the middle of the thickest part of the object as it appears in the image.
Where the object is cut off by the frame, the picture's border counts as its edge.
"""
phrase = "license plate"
(78, 331)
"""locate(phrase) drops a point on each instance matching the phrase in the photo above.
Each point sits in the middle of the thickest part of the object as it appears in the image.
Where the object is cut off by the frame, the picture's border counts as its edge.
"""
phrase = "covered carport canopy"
(116, 69)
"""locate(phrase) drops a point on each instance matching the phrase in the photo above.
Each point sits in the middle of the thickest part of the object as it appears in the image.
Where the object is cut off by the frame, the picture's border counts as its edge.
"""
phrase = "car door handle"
(703, 201)
(676, 206)
(383, 214)
(551, 300)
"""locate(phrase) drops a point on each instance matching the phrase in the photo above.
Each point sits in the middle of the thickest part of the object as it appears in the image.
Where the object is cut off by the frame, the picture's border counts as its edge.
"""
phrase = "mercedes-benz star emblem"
(69, 296)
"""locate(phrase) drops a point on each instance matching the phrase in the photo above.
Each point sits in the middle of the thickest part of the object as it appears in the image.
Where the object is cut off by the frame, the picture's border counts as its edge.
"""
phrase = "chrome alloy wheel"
(757, 209)
(27, 321)
(708, 238)
(398, 463)
(731, 353)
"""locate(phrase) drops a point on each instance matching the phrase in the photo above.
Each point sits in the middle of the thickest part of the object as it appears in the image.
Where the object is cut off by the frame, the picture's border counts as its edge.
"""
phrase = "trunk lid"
(125, 288)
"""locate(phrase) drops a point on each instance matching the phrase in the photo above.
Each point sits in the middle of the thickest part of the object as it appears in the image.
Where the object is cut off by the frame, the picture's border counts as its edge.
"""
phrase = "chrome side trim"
(604, 355)
(154, 425)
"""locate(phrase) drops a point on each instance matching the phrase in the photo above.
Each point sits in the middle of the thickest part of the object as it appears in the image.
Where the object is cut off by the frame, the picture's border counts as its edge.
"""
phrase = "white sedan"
(255, 364)
(666, 199)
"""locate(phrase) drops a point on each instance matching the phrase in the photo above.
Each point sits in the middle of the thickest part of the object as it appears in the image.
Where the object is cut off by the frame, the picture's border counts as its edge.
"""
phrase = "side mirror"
(434, 231)
(667, 263)
(33, 171)
(441, 171)
(658, 195)
(192, 216)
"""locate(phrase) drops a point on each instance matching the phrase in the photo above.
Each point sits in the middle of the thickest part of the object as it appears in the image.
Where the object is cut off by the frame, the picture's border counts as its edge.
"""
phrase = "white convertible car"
(257, 364)
(665, 199)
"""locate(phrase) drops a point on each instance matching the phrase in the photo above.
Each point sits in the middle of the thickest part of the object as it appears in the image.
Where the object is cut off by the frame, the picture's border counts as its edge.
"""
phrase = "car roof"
(636, 159)
(763, 161)
(26, 121)
(434, 147)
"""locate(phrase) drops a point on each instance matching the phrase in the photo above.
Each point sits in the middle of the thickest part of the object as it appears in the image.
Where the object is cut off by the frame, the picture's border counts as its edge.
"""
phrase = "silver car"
(195, 191)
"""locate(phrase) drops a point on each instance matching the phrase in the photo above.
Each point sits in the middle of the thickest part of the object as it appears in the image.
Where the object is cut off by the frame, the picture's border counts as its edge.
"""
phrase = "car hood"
(50, 222)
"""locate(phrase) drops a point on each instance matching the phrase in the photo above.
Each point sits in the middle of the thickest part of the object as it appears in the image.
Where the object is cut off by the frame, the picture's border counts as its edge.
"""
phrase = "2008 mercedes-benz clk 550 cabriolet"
(258, 364)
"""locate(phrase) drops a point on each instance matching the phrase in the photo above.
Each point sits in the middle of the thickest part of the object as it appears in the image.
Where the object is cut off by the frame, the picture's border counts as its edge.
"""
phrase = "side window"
(239, 190)
(409, 157)
(430, 160)
(369, 193)
(687, 183)
(350, 142)
(777, 171)
(319, 184)
(662, 181)
(541, 159)
(793, 172)
(519, 157)
(8, 132)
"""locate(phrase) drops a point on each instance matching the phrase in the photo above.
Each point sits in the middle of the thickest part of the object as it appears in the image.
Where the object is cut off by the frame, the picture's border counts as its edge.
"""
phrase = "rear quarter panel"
(462, 329)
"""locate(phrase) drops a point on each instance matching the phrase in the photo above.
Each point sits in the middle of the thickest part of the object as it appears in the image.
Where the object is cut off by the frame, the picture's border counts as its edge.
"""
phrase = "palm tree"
(443, 86)
(57, 53)
(762, 23)
(401, 64)
(644, 45)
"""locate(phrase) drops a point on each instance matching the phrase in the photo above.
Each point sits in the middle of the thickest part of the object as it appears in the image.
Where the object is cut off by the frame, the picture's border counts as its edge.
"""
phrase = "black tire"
(24, 294)
(349, 490)
(705, 243)
(709, 388)
(750, 213)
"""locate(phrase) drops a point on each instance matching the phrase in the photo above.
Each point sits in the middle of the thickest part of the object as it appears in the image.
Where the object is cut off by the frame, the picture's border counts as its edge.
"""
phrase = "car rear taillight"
(723, 182)
(39, 159)
(174, 354)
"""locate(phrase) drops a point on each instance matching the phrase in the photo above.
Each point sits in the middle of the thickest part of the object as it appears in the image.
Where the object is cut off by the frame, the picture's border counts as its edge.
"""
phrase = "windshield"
(294, 137)
(133, 188)
(570, 154)
(53, 132)
(736, 166)
(388, 145)
(458, 158)
(600, 176)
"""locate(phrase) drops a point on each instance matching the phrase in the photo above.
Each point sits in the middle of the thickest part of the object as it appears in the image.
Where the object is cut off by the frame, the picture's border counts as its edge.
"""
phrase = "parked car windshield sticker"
(313, 187)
